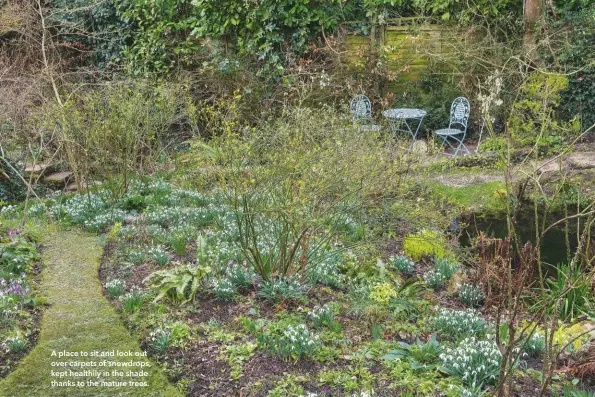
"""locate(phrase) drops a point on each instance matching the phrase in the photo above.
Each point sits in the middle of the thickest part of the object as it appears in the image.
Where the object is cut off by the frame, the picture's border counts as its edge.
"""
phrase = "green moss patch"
(78, 319)
(489, 196)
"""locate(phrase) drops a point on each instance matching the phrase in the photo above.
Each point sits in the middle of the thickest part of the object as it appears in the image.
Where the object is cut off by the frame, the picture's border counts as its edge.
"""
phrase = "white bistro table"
(401, 120)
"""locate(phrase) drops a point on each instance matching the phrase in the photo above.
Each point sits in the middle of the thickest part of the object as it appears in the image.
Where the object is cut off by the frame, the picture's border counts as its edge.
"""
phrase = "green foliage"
(167, 34)
(178, 243)
(535, 345)
(224, 289)
(572, 290)
(457, 324)
(115, 287)
(137, 256)
(286, 339)
(159, 255)
(572, 392)
(160, 339)
(322, 316)
(239, 276)
(471, 295)
(282, 289)
(423, 244)
(576, 54)
(443, 271)
(133, 300)
(179, 285)
(475, 362)
(89, 31)
(236, 356)
(420, 355)
(402, 264)
(276, 255)
(117, 130)
(17, 256)
(532, 120)
(382, 293)
(16, 343)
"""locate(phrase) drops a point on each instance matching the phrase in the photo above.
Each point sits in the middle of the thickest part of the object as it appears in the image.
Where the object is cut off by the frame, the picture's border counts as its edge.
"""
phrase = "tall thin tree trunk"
(532, 11)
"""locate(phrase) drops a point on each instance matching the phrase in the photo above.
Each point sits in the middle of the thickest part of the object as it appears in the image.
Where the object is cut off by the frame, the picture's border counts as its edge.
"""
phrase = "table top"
(404, 113)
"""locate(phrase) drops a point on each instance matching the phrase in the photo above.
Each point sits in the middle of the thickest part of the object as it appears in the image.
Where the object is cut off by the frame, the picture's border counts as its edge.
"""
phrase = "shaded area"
(554, 250)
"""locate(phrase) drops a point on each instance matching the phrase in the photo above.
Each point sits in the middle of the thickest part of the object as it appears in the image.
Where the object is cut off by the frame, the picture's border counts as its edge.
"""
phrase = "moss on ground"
(79, 319)
(488, 197)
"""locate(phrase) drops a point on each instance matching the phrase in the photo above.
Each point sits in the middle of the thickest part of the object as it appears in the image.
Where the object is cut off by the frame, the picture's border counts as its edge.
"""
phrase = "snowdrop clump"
(471, 295)
(16, 343)
(326, 271)
(475, 362)
(115, 287)
(81, 207)
(159, 255)
(535, 345)
(402, 263)
(459, 322)
(160, 339)
(104, 219)
(164, 216)
(294, 341)
(223, 289)
(322, 315)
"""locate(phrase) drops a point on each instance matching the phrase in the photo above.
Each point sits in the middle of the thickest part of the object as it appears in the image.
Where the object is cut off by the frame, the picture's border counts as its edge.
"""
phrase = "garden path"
(79, 318)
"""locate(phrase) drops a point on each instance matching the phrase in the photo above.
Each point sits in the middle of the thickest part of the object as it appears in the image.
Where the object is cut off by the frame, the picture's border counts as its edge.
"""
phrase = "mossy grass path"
(79, 318)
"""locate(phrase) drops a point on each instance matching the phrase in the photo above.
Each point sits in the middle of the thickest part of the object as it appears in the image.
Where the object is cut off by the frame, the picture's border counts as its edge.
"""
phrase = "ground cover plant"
(20, 309)
(205, 195)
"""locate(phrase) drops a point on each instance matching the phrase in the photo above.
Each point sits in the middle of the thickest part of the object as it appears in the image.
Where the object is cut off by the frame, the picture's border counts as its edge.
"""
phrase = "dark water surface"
(553, 250)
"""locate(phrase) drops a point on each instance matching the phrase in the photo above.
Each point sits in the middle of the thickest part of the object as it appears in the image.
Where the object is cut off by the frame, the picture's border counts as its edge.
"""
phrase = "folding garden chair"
(459, 116)
(361, 110)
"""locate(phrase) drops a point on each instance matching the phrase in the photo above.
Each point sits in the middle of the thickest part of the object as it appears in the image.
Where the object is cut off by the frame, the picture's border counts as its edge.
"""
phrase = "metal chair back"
(361, 108)
(459, 113)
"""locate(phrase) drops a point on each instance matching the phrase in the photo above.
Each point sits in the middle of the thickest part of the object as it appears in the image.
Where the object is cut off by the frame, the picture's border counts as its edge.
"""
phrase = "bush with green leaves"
(402, 264)
(17, 255)
(178, 243)
(115, 287)
(456, 324)
(423, 244)
(179, 285)
(471, 295)
(572, 288)
(476, 362)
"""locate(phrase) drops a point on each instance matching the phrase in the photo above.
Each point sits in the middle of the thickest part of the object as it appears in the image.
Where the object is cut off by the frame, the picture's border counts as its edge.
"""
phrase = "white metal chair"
(361, 110)
(459, 116)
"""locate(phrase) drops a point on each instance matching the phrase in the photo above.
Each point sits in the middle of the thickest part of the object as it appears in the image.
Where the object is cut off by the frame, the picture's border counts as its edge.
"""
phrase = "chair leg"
(455, 149)
(461, 145)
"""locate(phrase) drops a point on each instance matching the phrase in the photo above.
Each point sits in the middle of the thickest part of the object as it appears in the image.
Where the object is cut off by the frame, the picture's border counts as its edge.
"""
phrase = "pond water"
(553, 249)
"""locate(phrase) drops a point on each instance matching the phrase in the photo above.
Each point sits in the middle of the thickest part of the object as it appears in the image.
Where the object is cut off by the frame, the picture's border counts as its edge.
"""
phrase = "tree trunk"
(532, 10)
